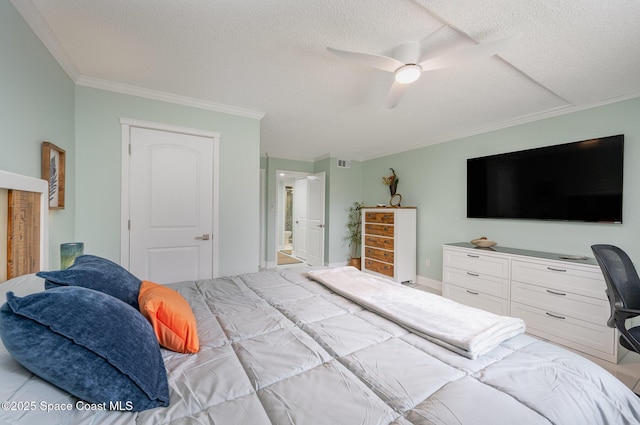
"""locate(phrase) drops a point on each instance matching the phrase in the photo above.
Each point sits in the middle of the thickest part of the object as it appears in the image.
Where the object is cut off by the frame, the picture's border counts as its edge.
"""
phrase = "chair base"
(635, 333)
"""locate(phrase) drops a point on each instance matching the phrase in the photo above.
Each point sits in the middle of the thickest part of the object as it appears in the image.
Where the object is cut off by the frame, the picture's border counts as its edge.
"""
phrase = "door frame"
(282, 175)
(288, 174)
(126, 125)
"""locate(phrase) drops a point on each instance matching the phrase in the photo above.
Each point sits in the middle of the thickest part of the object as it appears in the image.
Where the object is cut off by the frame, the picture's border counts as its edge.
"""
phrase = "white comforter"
(467, 331)
(280, 349)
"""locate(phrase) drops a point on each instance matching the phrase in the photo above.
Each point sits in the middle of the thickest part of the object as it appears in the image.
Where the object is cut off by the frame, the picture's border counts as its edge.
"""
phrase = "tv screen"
(580, 181)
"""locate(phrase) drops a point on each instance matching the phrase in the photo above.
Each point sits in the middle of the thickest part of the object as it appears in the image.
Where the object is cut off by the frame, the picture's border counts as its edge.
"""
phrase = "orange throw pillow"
(171, 317)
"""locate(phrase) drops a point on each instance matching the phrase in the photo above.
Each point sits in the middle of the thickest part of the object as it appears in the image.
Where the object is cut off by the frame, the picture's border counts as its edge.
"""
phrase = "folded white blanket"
(468, 331)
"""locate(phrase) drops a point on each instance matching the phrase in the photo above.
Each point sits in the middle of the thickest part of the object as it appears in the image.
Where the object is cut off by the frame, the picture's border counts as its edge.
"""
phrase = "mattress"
(279, 348)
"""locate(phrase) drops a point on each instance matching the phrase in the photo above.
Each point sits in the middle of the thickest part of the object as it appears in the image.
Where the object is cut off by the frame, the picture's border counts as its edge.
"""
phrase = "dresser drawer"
(564, 278)
(379, 242)
(591, 309)
(379, 267)
(379, 254)
(477, 262)
(475, 299)
(378, 229)
(379, 217)
(478, 282)
(574, 333)
(389, 242)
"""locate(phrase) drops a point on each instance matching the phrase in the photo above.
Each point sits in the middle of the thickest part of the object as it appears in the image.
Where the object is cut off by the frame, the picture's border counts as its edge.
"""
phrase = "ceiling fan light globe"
(408, 74)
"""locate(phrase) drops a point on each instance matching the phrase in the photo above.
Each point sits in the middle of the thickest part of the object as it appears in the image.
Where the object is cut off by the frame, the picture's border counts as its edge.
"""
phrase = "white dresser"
(560, 300)
(389, 242)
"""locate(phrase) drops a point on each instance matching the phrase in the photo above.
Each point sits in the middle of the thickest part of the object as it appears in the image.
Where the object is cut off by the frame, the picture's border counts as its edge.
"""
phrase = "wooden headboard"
(24, 214)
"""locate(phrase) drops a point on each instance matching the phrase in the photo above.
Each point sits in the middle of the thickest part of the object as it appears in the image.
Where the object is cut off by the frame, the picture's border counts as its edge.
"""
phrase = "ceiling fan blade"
(467, 54)
(395, 93)
(383, 63)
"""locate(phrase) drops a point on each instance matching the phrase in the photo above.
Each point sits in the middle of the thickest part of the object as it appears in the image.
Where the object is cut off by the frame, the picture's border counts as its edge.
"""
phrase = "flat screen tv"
(580, 181)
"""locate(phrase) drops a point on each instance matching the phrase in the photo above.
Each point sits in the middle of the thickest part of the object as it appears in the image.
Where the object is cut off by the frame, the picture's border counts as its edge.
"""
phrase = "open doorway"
(299, 218)
(286, 255)
(285, 229)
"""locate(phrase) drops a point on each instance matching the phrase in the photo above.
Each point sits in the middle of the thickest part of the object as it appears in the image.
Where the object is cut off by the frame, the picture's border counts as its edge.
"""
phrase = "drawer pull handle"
(473, 274)
(556, 270)
(473, 256)
(472, 293)
(555, 293)
(555, 315)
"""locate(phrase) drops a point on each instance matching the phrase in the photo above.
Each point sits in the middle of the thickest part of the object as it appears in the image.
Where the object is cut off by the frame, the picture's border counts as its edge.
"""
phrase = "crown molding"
(107, 85)
(33, 18)
(286, 157)
(555, 112)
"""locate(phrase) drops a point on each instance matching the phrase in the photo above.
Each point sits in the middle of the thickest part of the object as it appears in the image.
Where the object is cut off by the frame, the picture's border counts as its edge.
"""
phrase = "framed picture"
(53, 164)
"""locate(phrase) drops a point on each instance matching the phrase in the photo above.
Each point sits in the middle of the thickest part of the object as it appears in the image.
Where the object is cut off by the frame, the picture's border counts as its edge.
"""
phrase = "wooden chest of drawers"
(389, 243)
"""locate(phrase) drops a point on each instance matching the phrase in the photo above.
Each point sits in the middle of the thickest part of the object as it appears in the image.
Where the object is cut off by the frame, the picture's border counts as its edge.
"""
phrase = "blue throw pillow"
(88, 343)
(99, 274)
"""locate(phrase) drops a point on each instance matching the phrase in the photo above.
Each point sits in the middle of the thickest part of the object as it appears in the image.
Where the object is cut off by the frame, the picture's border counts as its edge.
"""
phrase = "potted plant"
(354, 226)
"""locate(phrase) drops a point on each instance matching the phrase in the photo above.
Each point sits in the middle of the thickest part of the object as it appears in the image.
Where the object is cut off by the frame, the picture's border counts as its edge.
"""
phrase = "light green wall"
(98, 153)
(39, 102)
(343, 189)
(433, 178)
(36, 105)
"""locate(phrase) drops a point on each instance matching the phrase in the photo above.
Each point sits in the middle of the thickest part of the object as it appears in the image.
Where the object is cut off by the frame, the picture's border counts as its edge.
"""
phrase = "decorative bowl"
(483, 242)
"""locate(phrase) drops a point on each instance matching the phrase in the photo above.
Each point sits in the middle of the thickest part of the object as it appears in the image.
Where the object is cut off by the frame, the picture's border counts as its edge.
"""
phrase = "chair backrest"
(623, 284)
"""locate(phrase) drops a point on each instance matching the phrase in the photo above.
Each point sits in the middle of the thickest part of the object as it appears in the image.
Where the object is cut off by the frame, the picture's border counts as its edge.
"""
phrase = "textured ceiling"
(270, 57)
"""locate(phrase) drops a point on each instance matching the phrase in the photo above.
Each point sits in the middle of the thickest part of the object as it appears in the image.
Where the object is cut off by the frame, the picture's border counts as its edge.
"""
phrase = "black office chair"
(623, 291)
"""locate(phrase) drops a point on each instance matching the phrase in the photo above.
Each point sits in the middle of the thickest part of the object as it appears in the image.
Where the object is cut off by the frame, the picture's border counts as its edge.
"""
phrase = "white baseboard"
(433, 284)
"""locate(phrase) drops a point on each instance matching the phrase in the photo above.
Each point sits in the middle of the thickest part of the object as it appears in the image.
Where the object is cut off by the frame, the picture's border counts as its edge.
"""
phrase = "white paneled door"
(308, 234)
(300, 213)
(315, 219)
(171, 205)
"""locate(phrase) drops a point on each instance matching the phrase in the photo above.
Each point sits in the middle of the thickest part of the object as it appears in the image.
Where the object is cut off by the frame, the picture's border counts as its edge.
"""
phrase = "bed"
(285, 347)
(277, 347)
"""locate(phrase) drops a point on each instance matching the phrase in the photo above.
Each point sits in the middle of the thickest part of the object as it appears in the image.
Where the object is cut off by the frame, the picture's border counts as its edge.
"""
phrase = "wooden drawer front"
(379, 254)
(479, 263)
(379, 217)
(476, 299)
(571, 332)
(377, 266)
(477, 282)
(378, 229)
(560, 277)
(580, 307)
(378, 242)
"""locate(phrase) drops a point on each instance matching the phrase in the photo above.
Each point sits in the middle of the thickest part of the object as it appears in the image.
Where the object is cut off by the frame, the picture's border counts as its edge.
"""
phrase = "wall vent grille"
(344, 163)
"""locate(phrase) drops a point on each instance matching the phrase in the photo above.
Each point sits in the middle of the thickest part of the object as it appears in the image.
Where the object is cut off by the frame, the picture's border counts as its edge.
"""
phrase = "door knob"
(204, 237)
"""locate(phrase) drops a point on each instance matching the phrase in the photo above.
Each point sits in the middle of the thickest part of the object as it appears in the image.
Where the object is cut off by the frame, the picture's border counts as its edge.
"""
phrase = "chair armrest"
(627, 312)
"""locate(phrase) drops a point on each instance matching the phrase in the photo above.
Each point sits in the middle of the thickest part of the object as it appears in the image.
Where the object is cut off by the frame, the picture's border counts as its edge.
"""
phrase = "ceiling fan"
(407, 64)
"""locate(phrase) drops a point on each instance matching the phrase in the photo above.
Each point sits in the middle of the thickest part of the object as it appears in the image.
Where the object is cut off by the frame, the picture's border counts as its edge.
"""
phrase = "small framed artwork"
(53, 165)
